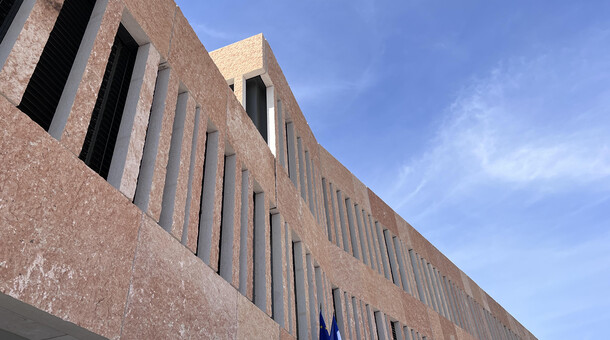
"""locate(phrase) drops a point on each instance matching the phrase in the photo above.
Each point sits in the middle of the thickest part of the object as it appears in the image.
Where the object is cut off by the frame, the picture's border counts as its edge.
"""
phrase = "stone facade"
(214, 234)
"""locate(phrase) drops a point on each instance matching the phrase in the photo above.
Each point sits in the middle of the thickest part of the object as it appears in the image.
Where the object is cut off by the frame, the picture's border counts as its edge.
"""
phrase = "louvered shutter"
(8, 10)
(108, 112)
(51, 73)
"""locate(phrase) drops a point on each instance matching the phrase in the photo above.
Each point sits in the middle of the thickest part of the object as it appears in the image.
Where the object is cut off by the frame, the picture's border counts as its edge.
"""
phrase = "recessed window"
(108, 111)
(393, 325)
(51, 73)
(8, 10)
(256, 104)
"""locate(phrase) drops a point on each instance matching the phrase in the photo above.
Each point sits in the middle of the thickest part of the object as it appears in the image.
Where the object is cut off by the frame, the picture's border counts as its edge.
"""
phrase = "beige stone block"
(215, 250)
(237, 223)
(21, 62)
(156, 19)
(183, 171)
(56, 216)
(241, 58)
(416, 315)
(74, 133)
(382, 212)
(253, 323)
(129, 177)
(198, 72)
(449, 329)
(436, 329)
(195, 204)
(268, 257)
(250, 243)
(165, 138)
(250, 145)
(336, 172)
(174, 295)
(284, 335)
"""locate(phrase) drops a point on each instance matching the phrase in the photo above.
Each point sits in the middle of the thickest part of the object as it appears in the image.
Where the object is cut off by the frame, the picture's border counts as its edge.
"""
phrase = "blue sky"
(485, 124)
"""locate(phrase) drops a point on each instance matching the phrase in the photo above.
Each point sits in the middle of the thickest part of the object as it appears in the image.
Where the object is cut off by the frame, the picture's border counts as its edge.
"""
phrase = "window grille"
(8, 10)
(51, 73)
(108, 111)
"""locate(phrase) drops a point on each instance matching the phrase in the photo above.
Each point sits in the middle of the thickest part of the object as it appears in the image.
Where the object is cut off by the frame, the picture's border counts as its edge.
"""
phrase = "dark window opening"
(232, 87)
(51, 73)
(8, 10)
(256, 104)
(296, 299)
(200, 238)
(108, 111)
(393, 324)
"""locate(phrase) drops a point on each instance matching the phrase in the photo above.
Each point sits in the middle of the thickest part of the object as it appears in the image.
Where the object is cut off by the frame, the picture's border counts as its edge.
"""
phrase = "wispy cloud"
(532, 133)
(203, 31)
(352, 85)
(510, 127)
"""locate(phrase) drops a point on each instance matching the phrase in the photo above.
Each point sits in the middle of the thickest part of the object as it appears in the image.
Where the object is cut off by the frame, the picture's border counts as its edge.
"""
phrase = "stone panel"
(53, 210)
(253, 323)
(284, 335)
(251, 147)
(449, 329)
(435, 325)
(156, 19)
(336, 172)
(21, 62)
(180, 203)
(174, 295)
(198, 72)
(193, 225)
(129, 177)
(243, 57)
(382, 212)
(78, 121)
(165, 138)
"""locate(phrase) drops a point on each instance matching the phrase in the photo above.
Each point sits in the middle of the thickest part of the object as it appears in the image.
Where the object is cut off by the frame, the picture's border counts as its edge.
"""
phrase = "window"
(8, 10)
(277, 280)
(208, 190)
(292, 160)
(260, 283)
(46, 85)
(338, 310)
(243, 233)
(352, 229)
(393, 324)
(326, 211)
(227, 232)
(256, 104)
(108, 111)
(299, 290)
(380, 325)
(151, 146)
(173, 164)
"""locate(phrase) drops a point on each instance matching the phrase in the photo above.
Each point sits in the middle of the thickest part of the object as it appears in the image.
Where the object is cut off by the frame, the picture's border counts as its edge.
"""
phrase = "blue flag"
(334, 331)
(323, 330)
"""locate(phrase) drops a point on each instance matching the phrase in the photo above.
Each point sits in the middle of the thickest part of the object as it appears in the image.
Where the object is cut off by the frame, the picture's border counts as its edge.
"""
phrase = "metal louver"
(106, 117)
(51, 73)
(8, 10)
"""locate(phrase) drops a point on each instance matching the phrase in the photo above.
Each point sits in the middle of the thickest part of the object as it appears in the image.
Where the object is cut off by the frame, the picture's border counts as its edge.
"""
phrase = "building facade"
(152, 190)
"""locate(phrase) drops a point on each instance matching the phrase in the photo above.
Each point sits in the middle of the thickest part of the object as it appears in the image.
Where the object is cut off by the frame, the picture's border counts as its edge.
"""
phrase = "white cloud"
(204, 31)
(533, 134)
(344, 85)
(516, 127)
